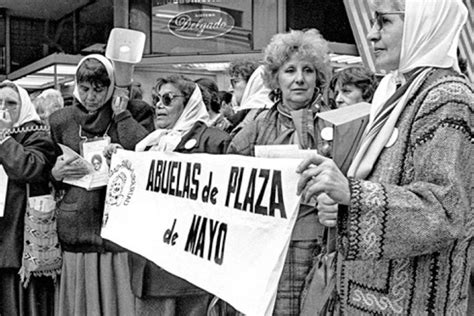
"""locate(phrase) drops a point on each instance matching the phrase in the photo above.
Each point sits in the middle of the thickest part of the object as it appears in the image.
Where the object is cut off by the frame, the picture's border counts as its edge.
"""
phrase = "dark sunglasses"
(379, 19)
(166, 98)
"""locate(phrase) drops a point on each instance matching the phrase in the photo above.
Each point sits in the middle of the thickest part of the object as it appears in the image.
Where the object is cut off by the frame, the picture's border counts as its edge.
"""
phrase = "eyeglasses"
(379, 20)
(166, 98)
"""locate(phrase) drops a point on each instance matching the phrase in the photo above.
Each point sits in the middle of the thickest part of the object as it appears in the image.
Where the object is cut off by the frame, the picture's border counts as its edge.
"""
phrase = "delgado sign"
(221, 222)
(201, 24)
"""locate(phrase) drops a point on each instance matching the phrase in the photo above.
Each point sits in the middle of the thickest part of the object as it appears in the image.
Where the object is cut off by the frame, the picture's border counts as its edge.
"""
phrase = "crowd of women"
(402, 212)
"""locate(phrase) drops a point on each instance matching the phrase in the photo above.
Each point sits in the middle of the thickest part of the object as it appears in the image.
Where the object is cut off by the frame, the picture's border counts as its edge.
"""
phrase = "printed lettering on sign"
(201, 24)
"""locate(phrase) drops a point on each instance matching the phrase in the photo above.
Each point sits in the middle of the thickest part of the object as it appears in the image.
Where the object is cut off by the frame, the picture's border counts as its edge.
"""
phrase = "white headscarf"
(27, 109)
(255, 95)
(168, 139)
(110, 71)
(431, 33)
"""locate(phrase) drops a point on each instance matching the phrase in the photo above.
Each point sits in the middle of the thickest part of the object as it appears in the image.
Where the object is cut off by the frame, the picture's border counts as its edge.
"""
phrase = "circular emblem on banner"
(201, 24)
(121, 184)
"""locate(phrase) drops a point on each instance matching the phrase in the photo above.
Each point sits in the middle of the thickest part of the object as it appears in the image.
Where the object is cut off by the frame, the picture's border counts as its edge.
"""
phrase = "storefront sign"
(201, 24)
(221, 222)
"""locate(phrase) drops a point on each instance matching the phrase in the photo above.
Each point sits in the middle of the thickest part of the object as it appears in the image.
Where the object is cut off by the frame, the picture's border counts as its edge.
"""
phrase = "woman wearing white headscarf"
(26, 156)
(95, 275)
(181, 126)
(405, 220)
(255, 99)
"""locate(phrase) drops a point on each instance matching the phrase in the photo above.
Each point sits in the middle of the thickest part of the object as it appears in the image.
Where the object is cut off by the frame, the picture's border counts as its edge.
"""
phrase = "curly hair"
(47, 102)
(243, 68)
(361, 77)
(308, 45)
(185, 85)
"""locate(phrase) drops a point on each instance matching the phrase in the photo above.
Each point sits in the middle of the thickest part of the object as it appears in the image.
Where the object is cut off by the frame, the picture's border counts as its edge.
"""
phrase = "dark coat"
(80, 211)
(147, 278)
(27, 157)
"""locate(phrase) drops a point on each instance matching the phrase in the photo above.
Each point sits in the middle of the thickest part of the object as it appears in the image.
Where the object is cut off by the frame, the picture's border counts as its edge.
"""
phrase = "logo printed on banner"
(201, 24)
(207, 219)
(122, 183)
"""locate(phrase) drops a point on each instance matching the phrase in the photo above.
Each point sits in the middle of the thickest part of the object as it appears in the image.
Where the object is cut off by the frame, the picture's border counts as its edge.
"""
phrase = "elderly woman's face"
(93, 97)
(386, 36)
(10, 103)
(169, 107)
(297, 82)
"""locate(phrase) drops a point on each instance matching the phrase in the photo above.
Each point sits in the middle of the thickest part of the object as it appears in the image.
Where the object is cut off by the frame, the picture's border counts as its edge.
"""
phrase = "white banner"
(221, 222)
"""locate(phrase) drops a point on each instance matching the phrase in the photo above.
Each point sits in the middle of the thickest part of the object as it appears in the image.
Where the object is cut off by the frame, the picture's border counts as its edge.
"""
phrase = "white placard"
(221, 222)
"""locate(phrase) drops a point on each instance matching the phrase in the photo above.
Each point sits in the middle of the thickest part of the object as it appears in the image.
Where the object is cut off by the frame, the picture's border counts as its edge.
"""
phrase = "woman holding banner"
(181, 126)
(296, 68)
(405, 221)
(95, 275)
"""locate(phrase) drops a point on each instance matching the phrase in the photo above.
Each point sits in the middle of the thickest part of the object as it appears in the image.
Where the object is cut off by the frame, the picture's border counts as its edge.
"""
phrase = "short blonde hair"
(47, 102)
(308, 45)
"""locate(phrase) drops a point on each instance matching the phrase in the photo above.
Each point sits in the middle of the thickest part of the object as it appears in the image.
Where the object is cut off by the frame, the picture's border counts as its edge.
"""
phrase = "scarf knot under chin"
(299, 126)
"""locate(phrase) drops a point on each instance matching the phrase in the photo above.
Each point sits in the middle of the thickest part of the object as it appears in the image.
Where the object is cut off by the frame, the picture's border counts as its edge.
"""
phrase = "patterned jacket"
(405, 239)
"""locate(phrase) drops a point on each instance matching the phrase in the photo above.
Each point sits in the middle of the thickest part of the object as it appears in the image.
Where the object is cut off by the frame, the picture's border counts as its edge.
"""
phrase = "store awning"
(50, 71)
(57, 69)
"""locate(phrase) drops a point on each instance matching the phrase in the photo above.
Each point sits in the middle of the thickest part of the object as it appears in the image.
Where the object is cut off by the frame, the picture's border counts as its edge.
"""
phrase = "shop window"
(201, 26)
(25, 44)
(328, 16)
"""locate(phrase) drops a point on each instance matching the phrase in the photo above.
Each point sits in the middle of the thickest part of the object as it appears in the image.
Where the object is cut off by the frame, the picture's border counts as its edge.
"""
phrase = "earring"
(275, 95)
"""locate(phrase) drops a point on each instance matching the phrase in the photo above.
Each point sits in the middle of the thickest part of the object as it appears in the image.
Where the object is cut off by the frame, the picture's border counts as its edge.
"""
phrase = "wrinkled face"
(238, 85)
(347, 94)
(297, 82)
(92, 97)
(10, 104)
(386, 36)
(169, 107)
